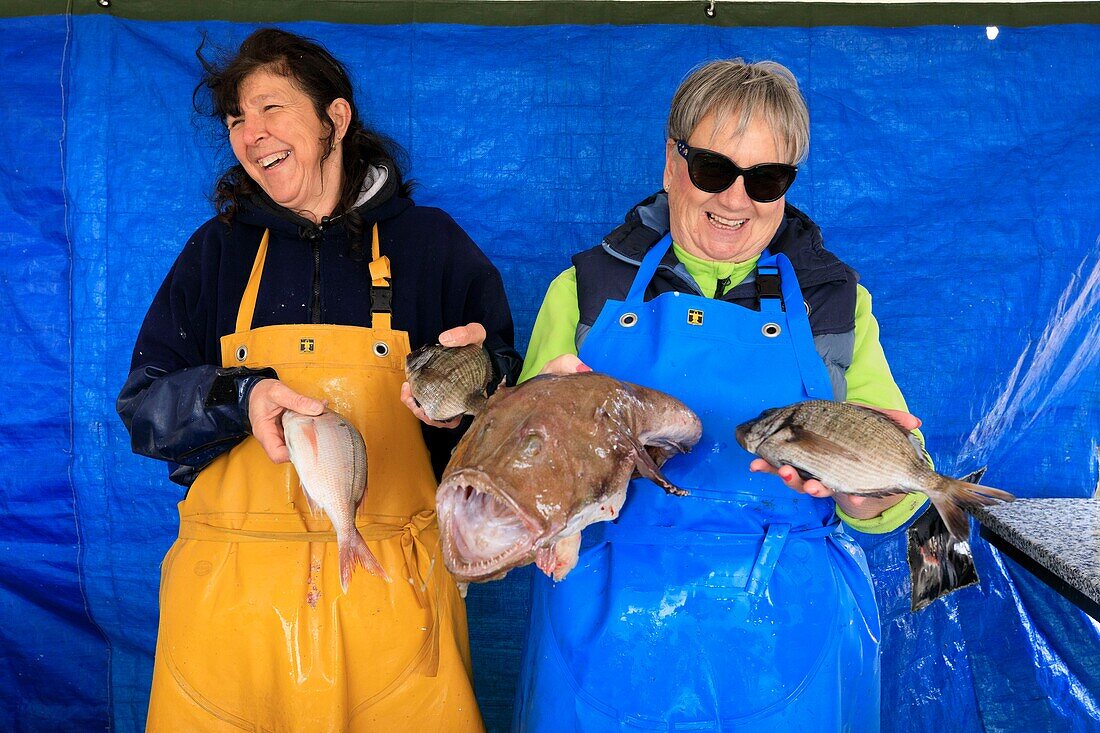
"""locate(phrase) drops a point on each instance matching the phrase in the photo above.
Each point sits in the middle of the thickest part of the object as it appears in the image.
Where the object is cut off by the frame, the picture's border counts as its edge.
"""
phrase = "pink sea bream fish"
(330, 457)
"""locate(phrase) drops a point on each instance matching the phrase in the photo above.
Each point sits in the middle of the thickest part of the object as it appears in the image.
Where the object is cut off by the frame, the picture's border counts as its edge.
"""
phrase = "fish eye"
(531, 445)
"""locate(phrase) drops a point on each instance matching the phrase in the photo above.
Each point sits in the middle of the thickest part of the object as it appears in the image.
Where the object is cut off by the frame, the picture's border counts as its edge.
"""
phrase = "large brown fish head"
(546, 459)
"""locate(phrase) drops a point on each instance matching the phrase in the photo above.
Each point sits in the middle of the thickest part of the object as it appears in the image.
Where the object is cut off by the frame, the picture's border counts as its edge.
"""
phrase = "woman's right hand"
(267, 402)
(565, 364)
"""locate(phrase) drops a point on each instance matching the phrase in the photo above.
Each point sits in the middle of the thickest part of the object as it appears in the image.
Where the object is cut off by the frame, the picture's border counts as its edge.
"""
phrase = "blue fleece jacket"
(182, 407)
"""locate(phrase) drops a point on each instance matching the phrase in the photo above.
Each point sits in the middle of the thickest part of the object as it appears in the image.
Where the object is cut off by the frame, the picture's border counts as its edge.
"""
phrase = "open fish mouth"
(484, 532)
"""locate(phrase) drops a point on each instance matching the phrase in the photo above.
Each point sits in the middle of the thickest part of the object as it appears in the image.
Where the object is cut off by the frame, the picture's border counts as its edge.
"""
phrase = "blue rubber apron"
(741, 607)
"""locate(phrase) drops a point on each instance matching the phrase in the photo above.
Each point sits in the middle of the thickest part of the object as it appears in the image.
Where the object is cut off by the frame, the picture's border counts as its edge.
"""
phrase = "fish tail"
(950, 496)
(355, 552)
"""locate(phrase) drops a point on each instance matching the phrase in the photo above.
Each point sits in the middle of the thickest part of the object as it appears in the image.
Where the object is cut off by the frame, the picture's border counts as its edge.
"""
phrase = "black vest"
(605, 272)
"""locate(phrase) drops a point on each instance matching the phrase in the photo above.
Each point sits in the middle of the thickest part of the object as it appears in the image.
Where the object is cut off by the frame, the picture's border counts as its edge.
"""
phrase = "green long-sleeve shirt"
(868, 378)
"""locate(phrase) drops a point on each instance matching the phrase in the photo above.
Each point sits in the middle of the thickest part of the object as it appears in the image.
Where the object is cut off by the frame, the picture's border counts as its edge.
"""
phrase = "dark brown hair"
(322, 78)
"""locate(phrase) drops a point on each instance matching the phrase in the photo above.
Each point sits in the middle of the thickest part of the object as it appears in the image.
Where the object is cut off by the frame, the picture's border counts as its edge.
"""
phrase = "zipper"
(720, 287)
(315, 300)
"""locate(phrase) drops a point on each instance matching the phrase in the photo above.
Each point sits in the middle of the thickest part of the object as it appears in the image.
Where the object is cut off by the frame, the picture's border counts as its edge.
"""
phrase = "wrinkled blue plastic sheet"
(955, 172)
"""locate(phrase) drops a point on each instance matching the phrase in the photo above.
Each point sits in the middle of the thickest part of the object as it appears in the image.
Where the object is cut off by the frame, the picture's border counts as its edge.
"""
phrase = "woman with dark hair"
(308, 288)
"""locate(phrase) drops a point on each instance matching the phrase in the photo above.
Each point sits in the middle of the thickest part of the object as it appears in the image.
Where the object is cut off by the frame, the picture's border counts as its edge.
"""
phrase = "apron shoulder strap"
(380, 293)
(648, 269)
(798, 321)
(248, 300)
(381, 297)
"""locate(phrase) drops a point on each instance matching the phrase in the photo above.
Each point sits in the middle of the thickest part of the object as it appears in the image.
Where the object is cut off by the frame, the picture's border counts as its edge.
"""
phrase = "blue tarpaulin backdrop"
(957, 172)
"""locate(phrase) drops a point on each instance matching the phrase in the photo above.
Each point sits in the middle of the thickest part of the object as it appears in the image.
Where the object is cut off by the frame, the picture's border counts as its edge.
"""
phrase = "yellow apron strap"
(380, 285)
(248, 300)
(380, 281)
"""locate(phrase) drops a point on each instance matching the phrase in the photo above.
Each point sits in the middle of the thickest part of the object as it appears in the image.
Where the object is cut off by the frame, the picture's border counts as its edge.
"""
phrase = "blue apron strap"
(798, 321)
(766, 559)
(775, 537)
(663, 536)
(648, 269)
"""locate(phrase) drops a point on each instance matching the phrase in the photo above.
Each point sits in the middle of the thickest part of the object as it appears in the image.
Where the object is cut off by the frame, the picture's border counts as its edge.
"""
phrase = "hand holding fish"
(858, 507)
(267, 402)
(472, 334)
(857, 451)
(565, 364)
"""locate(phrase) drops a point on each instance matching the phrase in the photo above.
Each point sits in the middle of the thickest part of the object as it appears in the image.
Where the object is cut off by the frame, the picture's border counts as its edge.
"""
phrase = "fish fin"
(957, 521)
(309, 432)
(648, 467)
(813, 442)
(643, 461)
(806, 475)
(355, 552)
(566, 554)
(951, 495)
(558, 559)
(544, 560)
(315, 509)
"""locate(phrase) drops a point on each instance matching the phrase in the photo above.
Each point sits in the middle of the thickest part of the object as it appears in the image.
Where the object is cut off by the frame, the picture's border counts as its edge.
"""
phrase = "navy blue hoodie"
(181, 406)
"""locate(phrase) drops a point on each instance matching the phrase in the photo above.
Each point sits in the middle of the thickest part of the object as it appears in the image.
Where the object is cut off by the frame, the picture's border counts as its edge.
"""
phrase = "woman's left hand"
(859, 507)
(471, 333)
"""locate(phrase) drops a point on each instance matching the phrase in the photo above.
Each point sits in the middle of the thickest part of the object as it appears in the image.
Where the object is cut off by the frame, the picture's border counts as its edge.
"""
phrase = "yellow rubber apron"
(255, 632)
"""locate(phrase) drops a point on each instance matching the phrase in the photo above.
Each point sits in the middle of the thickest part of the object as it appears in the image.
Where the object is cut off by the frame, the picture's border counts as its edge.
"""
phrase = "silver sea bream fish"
(330, 457)
(447, 382)
(544, 460)
(857, 450)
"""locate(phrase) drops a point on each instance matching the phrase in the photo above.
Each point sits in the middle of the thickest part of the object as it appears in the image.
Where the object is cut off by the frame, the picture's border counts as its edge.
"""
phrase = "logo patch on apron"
(305, 345)
(695, 317)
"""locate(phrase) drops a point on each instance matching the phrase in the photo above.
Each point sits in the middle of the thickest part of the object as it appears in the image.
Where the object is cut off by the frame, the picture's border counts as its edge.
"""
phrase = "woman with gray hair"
(745, 605)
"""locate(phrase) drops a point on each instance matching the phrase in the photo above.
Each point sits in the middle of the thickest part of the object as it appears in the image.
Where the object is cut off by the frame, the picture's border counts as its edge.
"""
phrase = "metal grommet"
(771, 330)
(242, 353)
(807, 304)
(381, 348)
(627, 320)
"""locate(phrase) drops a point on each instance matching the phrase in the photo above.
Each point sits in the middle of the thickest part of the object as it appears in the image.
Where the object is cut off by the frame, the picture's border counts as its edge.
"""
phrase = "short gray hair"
(730, 87)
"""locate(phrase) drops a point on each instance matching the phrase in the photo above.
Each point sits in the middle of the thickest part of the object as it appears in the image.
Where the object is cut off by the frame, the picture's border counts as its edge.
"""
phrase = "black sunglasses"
(713, 172)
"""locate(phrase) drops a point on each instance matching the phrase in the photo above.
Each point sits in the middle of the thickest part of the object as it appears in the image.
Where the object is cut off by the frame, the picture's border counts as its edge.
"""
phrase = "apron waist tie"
(419, 560)
(775, 536)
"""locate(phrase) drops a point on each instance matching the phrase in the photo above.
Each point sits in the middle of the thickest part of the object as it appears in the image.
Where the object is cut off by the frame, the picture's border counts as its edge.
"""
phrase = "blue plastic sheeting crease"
(953, 171)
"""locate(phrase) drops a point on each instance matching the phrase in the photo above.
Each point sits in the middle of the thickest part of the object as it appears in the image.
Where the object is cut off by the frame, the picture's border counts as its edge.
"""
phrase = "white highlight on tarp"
(1067, 348)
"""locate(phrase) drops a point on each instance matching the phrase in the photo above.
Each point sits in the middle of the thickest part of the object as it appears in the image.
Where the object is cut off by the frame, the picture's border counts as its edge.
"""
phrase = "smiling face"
(280, 141)
(726, 226)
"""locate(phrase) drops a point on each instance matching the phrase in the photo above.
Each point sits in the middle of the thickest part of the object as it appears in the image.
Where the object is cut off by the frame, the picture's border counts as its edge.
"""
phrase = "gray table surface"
(1060, 536)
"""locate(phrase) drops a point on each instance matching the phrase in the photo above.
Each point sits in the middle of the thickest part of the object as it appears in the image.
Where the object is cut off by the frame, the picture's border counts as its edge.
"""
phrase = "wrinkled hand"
(565, 364)
(267, 402)
(862, 507)
(471, 333)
